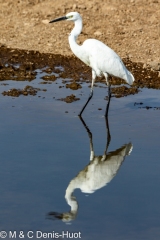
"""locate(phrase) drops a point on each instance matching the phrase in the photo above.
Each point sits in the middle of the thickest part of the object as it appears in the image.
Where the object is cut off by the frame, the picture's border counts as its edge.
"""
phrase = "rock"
(49, 78)
(155, 65)
(73, 86)
(144, 65)
(97, 33)
(74, 6)
(81, 6)
(70, 99)
(45, 21)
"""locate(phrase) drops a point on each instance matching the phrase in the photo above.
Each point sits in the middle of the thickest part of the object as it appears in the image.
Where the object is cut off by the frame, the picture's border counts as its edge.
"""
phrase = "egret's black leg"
(89, 98)
(109, 98)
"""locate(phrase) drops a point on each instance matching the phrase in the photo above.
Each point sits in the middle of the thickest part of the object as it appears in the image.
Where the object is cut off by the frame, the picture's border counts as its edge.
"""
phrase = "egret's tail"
(129, 148)
(130, 78)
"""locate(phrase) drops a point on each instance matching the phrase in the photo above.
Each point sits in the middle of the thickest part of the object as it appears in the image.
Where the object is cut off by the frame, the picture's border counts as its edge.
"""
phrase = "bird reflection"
(100, 171)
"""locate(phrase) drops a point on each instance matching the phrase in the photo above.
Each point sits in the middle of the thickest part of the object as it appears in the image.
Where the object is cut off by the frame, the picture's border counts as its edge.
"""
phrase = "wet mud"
(69, 99)
(28, 90)
(117, 92)
(73, 86)
(22, 65)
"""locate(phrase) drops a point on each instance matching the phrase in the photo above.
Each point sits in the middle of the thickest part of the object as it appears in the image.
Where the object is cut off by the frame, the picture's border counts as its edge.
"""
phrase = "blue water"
(43, 148)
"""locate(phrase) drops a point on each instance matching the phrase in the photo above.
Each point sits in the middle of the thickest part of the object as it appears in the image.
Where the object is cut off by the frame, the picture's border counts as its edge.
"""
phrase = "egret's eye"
(71, 16)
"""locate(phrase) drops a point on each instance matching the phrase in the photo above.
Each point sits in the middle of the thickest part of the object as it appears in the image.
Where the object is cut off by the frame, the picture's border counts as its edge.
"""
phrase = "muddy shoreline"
(21, 65)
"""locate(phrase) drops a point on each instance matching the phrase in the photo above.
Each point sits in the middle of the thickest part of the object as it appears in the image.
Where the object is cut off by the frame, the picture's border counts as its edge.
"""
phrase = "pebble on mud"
(69, 99)
(97, 33)
(45, 21)
(49, 78)
(155, 65)
(73, 86)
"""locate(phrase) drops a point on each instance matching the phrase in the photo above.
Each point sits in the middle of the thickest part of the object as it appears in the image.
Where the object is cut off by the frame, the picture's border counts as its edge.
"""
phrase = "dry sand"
(130, 27)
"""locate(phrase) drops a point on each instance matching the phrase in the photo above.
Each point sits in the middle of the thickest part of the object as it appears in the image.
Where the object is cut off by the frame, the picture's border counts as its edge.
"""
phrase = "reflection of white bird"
(100, 171)
(102, 59)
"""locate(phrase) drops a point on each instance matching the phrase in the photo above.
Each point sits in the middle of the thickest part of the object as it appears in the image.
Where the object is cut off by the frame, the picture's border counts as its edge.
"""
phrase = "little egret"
(102, 59)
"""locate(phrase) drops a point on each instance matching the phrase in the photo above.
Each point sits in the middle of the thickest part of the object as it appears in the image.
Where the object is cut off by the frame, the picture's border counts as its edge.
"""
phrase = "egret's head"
(65, 217)
(72, 16)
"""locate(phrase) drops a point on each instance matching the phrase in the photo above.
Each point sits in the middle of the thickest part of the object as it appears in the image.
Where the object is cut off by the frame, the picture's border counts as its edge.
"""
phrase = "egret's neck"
(71, 200)
(73, 36)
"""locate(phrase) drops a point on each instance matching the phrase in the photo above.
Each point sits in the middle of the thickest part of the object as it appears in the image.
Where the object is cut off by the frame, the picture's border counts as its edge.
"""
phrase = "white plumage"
(102, 59)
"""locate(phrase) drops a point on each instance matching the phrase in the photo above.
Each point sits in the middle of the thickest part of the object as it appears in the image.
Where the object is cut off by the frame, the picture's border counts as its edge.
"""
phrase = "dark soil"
(21, 65)
(28, 90)
(69, 99)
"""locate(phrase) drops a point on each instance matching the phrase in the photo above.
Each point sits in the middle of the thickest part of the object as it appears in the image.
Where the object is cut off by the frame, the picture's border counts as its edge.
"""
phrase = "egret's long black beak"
(58, 19)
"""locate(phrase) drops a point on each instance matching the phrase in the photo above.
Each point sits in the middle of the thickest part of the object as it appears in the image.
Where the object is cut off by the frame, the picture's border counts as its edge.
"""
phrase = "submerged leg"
(89, 98)
(90, 138)
(91, 94)
(109, 98)
(109, 94)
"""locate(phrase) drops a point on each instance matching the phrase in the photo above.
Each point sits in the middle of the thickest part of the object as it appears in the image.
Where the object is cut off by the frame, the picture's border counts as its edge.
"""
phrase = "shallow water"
(43, 149)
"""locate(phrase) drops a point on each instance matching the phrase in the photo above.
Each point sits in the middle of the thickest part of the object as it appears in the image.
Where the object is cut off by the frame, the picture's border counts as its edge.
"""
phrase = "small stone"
(45, 21)
(74, 6)
(97, 33)
(144, 65)
(81, 6)
(155, 65)
(69, 99)
(73, 86)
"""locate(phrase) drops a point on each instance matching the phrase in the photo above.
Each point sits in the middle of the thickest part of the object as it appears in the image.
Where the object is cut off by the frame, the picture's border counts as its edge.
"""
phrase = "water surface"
(43, 148)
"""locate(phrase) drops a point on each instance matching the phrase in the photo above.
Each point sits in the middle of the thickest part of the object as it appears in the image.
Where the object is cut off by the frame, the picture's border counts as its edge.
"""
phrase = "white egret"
(102, 59)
